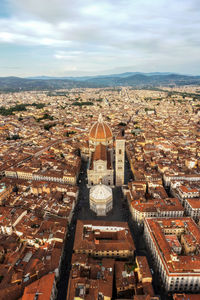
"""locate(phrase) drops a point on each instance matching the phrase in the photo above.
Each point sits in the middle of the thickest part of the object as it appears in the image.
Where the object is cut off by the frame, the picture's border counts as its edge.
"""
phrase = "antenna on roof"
(100, 119)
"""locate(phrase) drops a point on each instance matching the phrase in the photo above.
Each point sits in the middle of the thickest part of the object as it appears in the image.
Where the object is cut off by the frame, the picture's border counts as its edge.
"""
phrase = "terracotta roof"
(143, 266)
(185, 264)
(100, 152)
(186, 296)
(42, 288)
(88, 285)
(100, 131)
(118, 239)
(194, 202)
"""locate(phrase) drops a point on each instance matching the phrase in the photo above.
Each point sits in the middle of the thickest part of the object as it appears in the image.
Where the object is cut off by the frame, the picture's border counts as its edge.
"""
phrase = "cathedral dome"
(100, 193)
(100, 131)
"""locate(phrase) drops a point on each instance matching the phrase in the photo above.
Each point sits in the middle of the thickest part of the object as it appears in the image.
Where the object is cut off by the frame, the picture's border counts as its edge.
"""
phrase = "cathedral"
(106, 165)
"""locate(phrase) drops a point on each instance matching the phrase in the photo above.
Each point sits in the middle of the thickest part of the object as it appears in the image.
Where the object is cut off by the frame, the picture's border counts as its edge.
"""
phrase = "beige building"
(178, 271)
(143, 271)
(101, 199)
(192, 207)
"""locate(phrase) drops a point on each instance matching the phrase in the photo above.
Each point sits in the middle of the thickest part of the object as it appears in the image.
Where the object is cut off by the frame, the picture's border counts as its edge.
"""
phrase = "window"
(120, 151)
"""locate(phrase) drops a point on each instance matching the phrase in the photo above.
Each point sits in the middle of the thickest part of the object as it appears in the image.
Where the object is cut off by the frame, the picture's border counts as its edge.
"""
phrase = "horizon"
(40, 77)
(58, 38)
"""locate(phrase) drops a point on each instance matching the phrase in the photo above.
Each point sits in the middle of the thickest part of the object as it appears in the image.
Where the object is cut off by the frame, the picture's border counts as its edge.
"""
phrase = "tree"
(48, 126)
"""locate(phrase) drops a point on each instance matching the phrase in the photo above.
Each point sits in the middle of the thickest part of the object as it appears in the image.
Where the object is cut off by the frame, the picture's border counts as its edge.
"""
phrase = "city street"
(120, 212)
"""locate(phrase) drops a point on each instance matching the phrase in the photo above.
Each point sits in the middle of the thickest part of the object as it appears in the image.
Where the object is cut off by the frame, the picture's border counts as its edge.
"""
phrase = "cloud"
(27, 32)
(105, 32)
(108, 22)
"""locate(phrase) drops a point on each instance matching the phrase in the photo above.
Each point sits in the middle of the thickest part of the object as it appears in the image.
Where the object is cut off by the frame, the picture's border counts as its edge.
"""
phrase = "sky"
(92, 37)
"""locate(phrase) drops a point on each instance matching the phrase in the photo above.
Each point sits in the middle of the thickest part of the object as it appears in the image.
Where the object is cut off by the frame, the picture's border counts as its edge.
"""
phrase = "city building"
(174, 245)
(41, 289)
(90, 279)
(155, 203)
(103, 239)
(101, 199)
(41, 136)
(143, 271)
(125, 279)
(186, 296)
(192, 207)
(4, 191)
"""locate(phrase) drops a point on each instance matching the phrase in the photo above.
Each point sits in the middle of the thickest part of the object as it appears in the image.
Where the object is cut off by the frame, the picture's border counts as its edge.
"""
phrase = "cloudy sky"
(89, 37)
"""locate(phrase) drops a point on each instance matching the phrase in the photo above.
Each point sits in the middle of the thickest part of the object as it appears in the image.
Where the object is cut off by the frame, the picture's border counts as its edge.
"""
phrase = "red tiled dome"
(100, 131)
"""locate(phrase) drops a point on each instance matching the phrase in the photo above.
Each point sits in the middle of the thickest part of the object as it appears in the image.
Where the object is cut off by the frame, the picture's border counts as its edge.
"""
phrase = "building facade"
(192, 207)
(100, 166)
(179, 270)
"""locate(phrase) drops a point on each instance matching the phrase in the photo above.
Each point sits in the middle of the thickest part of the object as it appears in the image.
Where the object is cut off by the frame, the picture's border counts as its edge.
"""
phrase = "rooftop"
(40, 289)
(159, 228)
(100, 192)
(103, 236)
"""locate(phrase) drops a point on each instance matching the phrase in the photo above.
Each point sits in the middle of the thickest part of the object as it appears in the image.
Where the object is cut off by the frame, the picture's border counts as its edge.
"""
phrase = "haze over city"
(73, 38)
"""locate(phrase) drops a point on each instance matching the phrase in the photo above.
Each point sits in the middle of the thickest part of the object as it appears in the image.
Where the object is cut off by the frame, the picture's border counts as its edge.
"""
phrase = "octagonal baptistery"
(101, 199)
(100, 132)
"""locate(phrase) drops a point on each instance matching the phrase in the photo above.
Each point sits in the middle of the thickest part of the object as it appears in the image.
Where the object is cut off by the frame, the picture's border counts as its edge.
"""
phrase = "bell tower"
(119, 161)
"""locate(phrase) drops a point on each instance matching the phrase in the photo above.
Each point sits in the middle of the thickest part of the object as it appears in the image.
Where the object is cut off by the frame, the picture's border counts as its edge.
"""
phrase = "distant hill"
(134, 79)
(83, 78)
